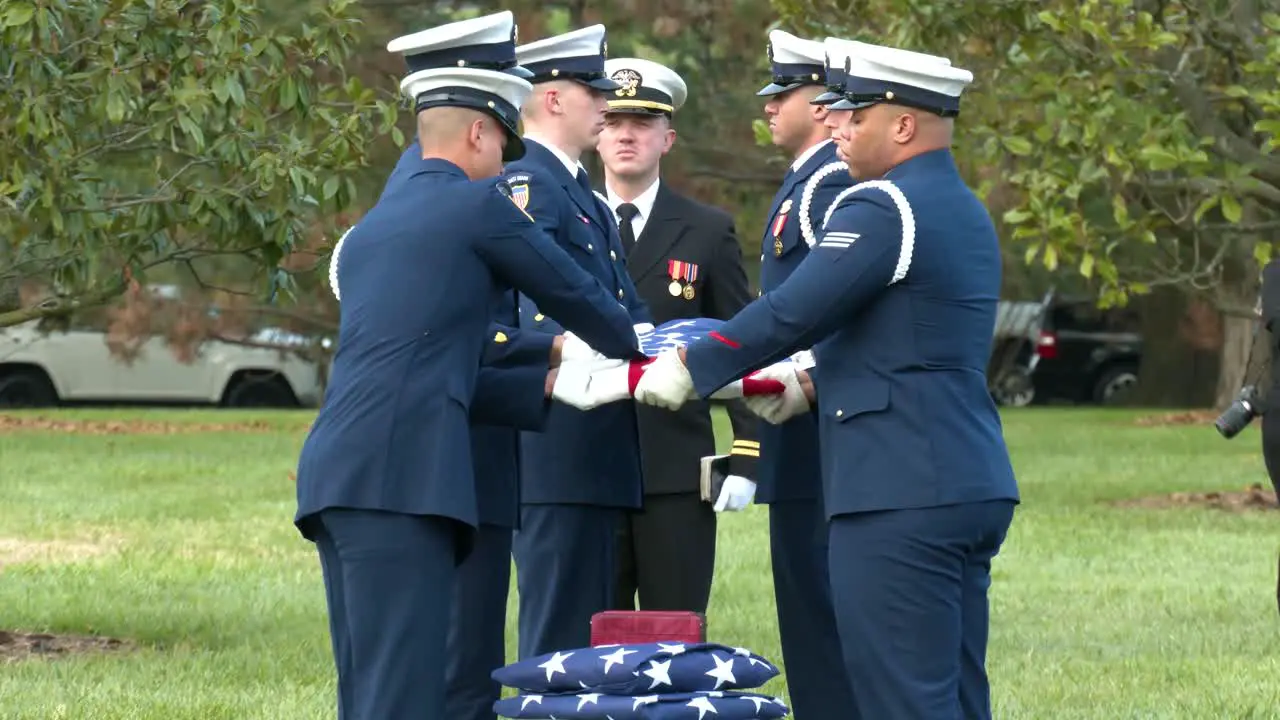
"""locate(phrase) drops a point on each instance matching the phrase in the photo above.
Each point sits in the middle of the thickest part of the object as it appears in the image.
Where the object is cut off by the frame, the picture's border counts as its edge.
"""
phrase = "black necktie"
(584, 181)
(626, 213)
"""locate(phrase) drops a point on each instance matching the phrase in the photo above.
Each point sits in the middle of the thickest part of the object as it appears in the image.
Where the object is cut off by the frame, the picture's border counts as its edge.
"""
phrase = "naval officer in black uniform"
(685, 261)
(385, 487)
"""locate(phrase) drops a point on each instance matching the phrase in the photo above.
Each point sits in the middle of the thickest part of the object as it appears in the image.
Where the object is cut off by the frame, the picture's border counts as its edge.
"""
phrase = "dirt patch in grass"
(12, 423)
(19, 550)
(1254, 497)
(16, 646)
(1192, 417)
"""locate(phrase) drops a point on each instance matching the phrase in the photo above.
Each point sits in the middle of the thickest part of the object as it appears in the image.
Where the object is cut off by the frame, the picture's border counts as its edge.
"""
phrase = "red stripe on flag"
(723, 339)
(634, 371)
(752, 385)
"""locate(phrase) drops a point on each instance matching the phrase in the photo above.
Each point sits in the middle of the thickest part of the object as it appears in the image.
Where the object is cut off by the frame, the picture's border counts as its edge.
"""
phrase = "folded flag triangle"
(668, 706)
(637, 670)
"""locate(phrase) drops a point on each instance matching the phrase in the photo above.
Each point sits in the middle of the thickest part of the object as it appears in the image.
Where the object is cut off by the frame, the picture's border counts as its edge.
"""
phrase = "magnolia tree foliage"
(139, 135)
(1132, 142)
(1135, 140)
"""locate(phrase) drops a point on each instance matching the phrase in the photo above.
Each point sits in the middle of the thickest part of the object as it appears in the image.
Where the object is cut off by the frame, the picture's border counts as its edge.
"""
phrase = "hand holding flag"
(587, 380)
(780, 407)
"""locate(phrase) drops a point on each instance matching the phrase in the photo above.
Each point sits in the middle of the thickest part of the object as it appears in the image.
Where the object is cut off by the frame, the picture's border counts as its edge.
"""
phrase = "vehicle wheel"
(1014, 389)
(266, 390)
(1115, 385)
(26, 388)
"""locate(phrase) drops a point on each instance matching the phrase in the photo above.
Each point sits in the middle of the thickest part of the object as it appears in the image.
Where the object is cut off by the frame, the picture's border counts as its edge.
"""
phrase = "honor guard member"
(583, 470)
(518, 374)
(385, 484)
(790, 477)
(899, 295)
(510, 396)
(685, 261)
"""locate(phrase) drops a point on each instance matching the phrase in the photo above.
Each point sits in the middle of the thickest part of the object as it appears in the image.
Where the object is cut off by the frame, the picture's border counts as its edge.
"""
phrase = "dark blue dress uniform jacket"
(510, 396)
(789, 468)
(419, 281)
(590, 457)
(900, 296)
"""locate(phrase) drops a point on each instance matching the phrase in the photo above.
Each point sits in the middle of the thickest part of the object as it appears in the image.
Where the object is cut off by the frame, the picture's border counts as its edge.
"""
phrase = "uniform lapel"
(810, 166)
(585, 201)
(661, 232)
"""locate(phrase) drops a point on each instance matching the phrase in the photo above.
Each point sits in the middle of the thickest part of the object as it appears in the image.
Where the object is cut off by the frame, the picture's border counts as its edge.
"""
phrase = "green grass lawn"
(183, 543)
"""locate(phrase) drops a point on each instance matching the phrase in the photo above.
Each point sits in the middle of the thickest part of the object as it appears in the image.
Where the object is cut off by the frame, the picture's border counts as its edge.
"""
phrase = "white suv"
(41, 370)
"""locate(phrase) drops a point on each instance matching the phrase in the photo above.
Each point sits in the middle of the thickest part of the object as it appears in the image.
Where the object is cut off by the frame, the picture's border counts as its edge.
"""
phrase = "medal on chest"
(682, 274)
(778, 224)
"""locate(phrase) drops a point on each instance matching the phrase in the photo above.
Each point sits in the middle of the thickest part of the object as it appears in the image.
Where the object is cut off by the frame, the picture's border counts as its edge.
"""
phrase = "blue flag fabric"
(669, 706)
(639, 670)
(675, 334)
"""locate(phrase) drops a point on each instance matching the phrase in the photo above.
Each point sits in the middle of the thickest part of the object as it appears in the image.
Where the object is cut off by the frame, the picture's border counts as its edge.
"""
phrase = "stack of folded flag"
(655, 681)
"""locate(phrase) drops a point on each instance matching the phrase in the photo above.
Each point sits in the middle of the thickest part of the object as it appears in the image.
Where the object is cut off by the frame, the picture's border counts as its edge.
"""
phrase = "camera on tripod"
(1242, 411)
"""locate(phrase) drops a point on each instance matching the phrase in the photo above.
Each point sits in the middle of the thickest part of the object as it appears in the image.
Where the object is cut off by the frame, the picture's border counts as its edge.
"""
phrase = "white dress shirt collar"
(644, 203)
(569, 165)
(807, 154)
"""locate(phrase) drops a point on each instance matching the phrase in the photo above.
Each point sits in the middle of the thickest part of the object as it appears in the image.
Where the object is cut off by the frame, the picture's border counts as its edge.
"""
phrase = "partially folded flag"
(669, 706)
(639, 670)
(675, 334)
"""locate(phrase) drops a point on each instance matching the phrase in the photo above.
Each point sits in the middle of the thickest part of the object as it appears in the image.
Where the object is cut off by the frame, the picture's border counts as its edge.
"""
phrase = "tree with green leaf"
(139, 136)
(1132, 141)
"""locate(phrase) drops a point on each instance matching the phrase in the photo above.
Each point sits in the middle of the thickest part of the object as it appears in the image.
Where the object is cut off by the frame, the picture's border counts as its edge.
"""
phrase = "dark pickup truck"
(1073, 351)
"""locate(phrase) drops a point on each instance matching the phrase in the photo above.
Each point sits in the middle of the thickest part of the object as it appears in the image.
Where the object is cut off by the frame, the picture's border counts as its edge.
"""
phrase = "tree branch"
(1257, 189)
(1228, 144)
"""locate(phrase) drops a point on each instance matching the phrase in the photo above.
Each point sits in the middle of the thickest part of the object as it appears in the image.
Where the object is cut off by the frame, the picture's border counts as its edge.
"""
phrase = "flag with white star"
(675, 334)
(640, 670)
(666, 706)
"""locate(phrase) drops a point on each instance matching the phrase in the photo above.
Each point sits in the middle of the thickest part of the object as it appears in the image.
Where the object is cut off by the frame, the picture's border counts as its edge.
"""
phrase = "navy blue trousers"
(817, 684)
(388, 582)
(910, 591)
(565, 558)
(477, 632)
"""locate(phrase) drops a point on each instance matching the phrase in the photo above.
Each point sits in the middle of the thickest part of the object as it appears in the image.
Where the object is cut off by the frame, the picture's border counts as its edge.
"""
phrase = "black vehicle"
(1087, 354)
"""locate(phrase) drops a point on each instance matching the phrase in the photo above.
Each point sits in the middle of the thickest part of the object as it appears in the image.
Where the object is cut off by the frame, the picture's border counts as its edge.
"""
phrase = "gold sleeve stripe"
(746, 444)
(744, 452)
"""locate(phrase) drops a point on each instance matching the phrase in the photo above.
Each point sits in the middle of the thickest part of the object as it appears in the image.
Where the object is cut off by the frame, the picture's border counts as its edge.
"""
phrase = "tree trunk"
(1178, 370)
(1237, 338)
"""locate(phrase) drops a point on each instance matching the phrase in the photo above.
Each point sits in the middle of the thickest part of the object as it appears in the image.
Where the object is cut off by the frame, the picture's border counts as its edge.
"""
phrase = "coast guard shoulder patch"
(520, 195)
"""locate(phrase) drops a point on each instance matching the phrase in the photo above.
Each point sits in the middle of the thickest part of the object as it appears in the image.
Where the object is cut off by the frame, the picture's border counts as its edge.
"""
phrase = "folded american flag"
(670, 706)
(639, 670)
(675, 334)
(620, 383)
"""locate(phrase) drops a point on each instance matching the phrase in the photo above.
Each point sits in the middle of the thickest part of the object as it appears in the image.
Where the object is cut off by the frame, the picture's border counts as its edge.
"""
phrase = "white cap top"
(646, 86)
(839, 50)
(787, 49)
(487, 42)
(884, 74)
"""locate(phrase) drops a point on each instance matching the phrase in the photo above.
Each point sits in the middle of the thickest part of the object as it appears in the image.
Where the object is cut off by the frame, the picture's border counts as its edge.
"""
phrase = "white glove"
(804, 359)
(588, 384)
(666, 382)
(777, 409)
(736, 493)
(574, 349)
